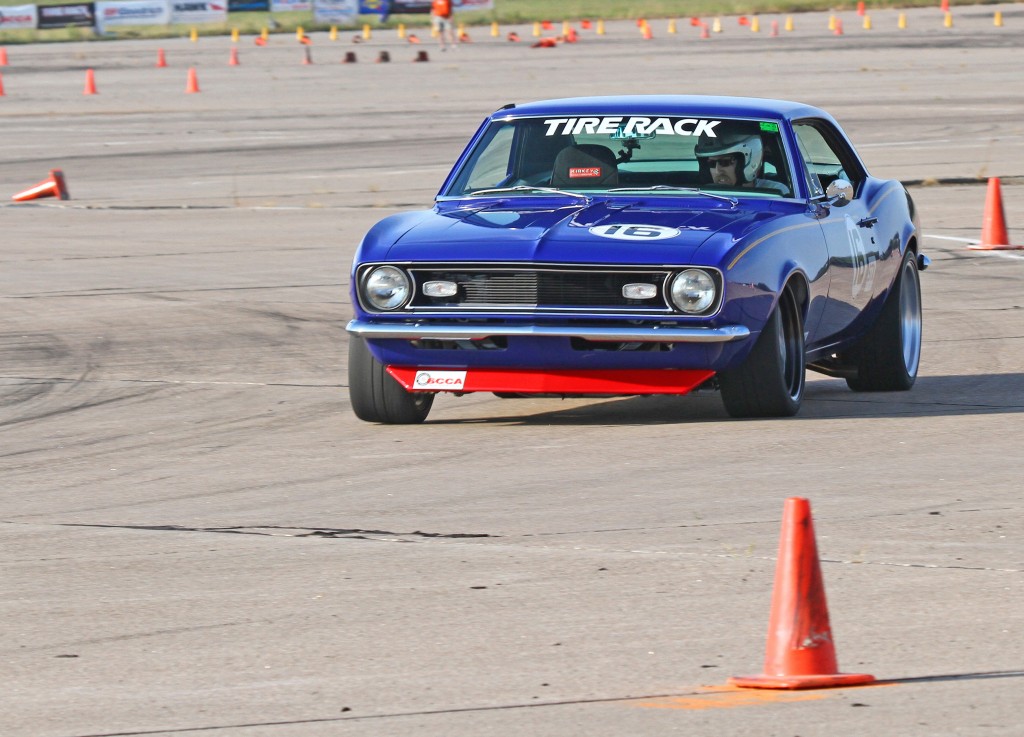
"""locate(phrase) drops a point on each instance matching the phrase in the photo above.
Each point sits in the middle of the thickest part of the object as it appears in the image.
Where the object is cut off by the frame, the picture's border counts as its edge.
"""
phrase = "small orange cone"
(412, 38)
(704, 31)
(545, 43)
(233, 59)
(1, 85)
(513, 37)
(993, 230)
(260, 41)
(839, 27)
(52, 187)
(861, 10)
(3, 56)
(192, 85)
(944, 6)
(800, 652)
(161, 60)
(90, 83)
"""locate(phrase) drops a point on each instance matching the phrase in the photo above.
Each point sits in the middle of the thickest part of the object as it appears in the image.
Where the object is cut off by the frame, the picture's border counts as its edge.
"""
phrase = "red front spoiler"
(527, 381)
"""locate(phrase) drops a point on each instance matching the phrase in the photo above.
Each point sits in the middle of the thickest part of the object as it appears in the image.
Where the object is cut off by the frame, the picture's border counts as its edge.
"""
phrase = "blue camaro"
(641, 245)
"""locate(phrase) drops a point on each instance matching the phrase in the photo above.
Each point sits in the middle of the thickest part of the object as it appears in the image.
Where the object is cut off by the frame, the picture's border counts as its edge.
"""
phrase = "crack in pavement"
(282, 531)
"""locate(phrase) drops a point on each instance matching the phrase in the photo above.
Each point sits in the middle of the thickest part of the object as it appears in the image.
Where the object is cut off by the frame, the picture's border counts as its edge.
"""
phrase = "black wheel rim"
(791, 349)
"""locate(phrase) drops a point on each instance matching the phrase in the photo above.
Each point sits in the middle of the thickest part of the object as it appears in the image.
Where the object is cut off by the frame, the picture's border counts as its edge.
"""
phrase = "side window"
(826, 157)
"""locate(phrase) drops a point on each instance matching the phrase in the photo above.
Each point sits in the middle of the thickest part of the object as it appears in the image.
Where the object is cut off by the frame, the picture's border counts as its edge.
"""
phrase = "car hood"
(619, 231)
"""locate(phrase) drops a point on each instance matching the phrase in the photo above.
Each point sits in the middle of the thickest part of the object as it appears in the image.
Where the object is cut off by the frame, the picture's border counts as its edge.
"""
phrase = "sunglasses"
(727, 161)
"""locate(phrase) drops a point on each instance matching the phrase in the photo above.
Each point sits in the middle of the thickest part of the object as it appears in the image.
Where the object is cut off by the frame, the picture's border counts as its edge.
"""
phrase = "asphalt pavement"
(199, 537)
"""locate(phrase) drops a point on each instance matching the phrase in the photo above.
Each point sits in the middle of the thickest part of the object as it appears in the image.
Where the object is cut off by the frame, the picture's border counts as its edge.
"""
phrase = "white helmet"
(748, 146)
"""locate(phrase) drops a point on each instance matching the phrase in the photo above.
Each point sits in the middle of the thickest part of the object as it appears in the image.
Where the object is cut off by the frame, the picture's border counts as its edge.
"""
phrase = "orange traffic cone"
(161, 60)
(260, 41)
(513, 37)
(90, 83)
(704, 31)
(944, 6)
(412, 38)
(52, 187)
(800, 652)
(192, 85)
(233, 59)
(3, 56)
(1, 85)
(545, 43)
(993, 229)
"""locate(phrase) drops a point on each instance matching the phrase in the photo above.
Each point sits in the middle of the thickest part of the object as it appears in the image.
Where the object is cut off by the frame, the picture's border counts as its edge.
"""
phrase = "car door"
(848, 229)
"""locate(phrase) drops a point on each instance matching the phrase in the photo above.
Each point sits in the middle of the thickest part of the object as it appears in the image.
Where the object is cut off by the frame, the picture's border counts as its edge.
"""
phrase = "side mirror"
(839, 193)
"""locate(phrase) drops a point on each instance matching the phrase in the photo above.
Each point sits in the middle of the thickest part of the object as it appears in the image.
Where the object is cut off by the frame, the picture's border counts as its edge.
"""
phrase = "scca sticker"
(445, 381)
(624, 232)
(619, 127)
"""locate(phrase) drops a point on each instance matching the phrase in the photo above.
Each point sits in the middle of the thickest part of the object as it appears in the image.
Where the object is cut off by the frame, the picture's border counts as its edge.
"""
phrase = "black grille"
(540, 289)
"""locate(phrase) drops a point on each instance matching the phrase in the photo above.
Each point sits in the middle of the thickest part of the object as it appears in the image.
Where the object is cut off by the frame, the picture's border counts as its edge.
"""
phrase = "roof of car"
(703, 105)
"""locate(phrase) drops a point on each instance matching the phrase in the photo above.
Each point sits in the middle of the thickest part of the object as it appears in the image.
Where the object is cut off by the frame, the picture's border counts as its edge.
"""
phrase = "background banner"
(131, 13)
(283, 6)
(335, 11)
(235, 6)
(61, 16)
(187, 12)
(20, 16)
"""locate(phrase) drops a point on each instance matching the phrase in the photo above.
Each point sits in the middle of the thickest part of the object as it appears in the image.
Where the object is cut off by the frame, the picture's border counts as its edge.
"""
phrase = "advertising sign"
(339, 12)
(19, 16)
(187, 12)
(238, 6)
(283, 6)
(62, 16)
(131, 13)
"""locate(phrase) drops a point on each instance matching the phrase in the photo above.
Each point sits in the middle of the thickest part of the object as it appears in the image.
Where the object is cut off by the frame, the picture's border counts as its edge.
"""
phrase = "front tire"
(376, 396)
(889, 355)
(770, 382)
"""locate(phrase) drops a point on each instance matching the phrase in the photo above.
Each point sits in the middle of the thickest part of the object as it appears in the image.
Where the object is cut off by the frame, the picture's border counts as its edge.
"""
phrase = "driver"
(736, 159)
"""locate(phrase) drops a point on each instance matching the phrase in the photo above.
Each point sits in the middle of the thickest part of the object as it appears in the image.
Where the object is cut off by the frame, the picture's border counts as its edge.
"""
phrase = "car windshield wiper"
(528, 188)
(669, 188)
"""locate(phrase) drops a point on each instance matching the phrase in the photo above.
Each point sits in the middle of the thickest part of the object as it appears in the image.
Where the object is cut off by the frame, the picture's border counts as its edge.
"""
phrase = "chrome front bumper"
(418, 331)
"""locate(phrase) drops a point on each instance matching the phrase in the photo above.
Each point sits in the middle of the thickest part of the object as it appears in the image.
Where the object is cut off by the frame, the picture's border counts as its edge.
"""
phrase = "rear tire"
(376, 396)
(889, 355)
(770, 382)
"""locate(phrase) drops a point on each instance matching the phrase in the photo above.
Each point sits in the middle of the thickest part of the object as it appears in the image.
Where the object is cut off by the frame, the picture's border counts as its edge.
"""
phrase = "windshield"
(663, 154)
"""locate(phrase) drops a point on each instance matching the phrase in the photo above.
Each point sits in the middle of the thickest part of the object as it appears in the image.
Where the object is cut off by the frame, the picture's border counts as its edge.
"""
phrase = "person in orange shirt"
(441, 18)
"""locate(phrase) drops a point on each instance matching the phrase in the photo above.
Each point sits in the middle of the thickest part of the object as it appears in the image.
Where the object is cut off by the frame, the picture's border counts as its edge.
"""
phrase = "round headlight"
(693, 291)
(386, 287)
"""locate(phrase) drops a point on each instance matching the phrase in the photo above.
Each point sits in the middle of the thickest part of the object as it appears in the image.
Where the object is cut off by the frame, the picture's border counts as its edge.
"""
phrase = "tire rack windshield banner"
(187, 12)
(335, 11)
(20, 16)
(62, 16)
(131, 13)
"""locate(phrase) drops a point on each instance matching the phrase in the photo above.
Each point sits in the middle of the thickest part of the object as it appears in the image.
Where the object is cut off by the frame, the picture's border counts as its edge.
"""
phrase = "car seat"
(585, 166)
